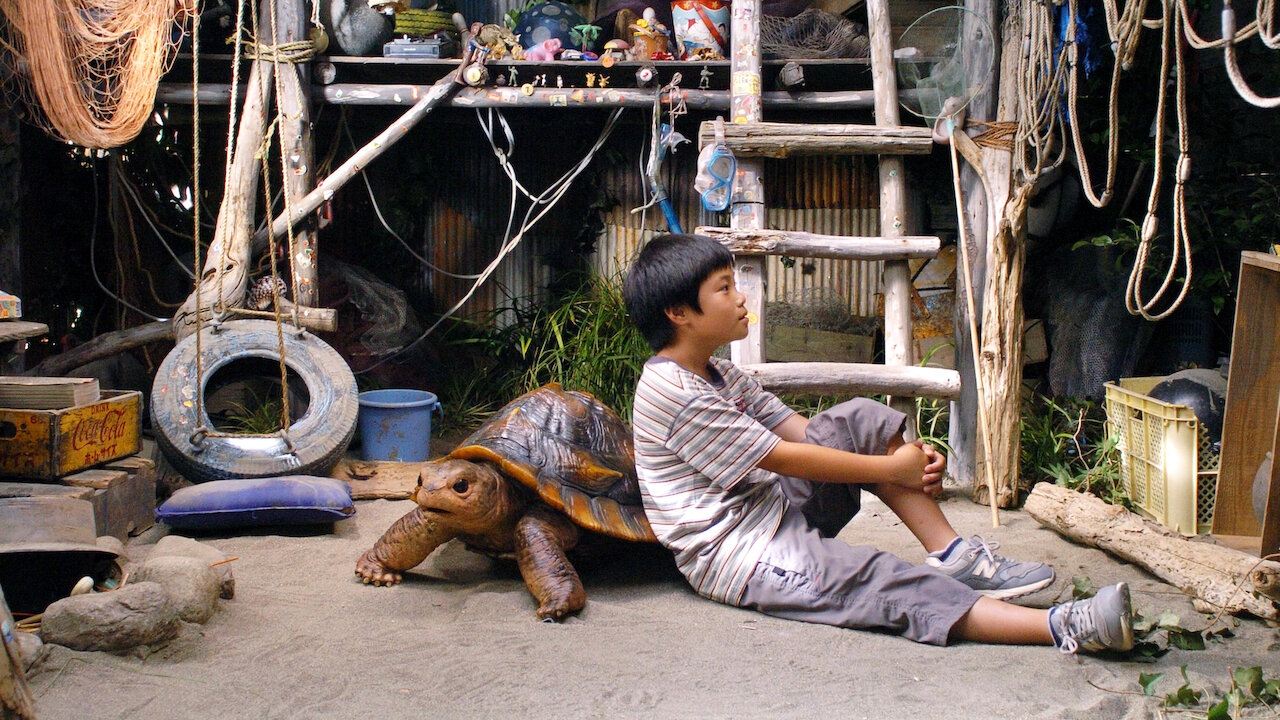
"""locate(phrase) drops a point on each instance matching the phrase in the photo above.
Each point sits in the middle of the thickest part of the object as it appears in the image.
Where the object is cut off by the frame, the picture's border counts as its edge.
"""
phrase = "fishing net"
(813, 34)
(87, 70)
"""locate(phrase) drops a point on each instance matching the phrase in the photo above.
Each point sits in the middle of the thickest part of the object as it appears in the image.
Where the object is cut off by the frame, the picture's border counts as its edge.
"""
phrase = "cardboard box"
(47, 444)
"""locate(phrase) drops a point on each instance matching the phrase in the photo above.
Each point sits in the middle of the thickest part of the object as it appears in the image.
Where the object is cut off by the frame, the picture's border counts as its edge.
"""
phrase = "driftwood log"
(114, 343)
(780, 140)
(760, 241)
(16, 701)
(1220, 577)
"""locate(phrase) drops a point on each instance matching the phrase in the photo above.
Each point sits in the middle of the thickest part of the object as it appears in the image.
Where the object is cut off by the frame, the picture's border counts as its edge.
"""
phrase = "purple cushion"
(289, 500)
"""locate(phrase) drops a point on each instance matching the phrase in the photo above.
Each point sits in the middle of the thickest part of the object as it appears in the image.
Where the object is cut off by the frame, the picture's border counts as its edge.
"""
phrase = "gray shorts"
(806, 574)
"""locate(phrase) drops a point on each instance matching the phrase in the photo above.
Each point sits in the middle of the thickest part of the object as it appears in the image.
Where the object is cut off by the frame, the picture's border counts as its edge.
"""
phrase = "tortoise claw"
(372, 572)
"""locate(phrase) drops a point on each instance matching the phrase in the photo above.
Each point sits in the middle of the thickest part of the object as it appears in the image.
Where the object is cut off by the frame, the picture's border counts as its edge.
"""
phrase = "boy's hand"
(911, 462)
(934, 471)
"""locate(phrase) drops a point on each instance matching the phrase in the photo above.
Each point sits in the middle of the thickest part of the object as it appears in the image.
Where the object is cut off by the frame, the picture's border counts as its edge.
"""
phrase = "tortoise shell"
(573, 451)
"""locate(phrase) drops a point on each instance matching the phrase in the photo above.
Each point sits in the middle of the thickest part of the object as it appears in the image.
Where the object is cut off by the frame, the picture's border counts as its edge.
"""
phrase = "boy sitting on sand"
(749, 495)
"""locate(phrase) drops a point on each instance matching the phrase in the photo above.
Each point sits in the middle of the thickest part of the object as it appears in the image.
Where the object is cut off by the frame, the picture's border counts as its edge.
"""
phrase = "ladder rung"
(779, 140)
(744, 241)
(857, 378)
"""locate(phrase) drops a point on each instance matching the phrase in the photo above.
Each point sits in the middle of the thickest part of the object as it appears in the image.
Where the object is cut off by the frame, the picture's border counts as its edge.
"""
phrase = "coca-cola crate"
(47, 444)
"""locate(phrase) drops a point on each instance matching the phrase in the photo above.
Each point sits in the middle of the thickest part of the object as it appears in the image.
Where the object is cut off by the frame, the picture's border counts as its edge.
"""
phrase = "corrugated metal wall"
(826, 195)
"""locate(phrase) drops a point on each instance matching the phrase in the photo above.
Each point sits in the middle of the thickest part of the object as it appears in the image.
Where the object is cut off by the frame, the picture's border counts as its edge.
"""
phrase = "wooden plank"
(30, 489)
(96, 479)
(780, 140)
(124, 497)
(1253, 395)
(751, 241)
(856, 379)
(377, 479)
(11, 330)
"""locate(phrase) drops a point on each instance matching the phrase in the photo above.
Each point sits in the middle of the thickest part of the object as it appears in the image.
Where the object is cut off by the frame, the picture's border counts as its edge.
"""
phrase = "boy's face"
(724, 314)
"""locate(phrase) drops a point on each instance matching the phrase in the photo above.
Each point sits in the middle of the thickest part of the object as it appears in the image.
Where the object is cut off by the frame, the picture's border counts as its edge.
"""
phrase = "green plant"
(512, 17)
(1066, 441)
(583, 36)
(584, 341)
(255, 416)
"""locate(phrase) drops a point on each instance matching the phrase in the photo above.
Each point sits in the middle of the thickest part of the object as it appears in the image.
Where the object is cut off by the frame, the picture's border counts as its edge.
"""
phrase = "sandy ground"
(304, 639)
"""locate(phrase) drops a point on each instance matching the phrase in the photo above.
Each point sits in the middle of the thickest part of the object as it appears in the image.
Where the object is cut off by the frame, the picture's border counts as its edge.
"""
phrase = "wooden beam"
(505, 97)
(780, 140)
(438, 93)
(747, 208)
(857, 378)
(296, 146)
(1219, 576)
(1001, 315)
(802, 244)
(896, 277)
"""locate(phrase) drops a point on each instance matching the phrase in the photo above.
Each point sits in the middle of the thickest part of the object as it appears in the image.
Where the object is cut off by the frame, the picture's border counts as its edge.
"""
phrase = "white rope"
(549, 198)
(1233, 68)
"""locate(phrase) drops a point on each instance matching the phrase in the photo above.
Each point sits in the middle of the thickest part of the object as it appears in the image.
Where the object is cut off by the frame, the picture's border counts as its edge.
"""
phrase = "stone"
(192, 585)
(112, 543)
(30, 648)
(179, 546)
(137, 614)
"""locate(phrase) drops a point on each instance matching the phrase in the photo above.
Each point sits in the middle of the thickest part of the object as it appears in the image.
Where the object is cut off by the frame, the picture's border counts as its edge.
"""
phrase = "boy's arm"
(905, 466)
(792, 428)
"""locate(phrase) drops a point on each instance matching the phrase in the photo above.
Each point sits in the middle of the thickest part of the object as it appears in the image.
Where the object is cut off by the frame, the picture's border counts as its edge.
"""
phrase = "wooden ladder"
(751, 139)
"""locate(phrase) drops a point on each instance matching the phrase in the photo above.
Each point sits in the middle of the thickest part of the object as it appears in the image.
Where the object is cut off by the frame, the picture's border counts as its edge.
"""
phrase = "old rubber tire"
(319, 437)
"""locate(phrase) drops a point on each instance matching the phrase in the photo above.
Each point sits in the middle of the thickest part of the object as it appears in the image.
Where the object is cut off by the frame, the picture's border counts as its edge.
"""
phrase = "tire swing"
(249, 352)
(311, 444)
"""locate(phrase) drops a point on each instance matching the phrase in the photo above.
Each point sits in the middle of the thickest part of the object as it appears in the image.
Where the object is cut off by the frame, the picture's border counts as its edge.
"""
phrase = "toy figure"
(545, 52)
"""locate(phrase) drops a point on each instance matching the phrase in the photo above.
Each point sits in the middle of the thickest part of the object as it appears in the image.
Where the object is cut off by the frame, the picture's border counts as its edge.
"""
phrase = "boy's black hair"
(667, 274)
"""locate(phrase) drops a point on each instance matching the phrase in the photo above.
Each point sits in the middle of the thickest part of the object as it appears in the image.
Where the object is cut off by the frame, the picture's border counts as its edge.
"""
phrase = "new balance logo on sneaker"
(975, 563)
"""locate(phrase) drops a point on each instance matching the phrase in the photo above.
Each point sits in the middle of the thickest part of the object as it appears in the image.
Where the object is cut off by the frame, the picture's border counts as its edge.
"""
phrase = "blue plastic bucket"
(396, 424)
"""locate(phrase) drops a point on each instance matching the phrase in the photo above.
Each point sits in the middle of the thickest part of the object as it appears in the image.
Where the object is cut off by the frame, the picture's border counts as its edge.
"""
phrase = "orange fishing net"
(87, 70)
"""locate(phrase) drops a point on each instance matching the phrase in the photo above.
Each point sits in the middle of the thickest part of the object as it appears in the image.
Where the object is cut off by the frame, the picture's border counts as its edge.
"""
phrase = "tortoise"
(548, 465)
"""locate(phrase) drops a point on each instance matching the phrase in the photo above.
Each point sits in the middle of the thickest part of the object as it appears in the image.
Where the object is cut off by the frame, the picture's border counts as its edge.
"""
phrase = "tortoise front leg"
(542, 537)
(405, 544)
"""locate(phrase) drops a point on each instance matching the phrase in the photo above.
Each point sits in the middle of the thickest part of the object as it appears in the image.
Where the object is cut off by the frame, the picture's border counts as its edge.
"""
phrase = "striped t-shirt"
(698, 445)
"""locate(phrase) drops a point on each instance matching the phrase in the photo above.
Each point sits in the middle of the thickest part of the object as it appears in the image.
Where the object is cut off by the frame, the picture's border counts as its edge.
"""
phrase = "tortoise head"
(470, 497)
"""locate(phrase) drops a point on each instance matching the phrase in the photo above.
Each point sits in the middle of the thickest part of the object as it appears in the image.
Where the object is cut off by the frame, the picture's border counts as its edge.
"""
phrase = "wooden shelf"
(11, 330)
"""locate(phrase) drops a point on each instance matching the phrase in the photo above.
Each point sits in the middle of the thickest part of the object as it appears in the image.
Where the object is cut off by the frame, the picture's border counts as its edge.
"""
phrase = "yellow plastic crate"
(1167, 461)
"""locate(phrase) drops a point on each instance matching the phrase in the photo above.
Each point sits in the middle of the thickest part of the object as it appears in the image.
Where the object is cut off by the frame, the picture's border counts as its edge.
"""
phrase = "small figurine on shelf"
(546, 52)
(616, 49)
(500, 42)
(584, 36)
(649, 37)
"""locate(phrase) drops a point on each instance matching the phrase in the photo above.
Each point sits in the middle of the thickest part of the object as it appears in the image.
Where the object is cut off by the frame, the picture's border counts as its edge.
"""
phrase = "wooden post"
(1001, 328)
(963, 436)
(296, 145)
(226, 269)
(747, 210)
(896, 279)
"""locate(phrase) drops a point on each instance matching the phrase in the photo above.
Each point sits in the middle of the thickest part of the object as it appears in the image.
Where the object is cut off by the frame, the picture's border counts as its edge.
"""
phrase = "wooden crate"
(1251, 423)
(48, 444)
(123, 494)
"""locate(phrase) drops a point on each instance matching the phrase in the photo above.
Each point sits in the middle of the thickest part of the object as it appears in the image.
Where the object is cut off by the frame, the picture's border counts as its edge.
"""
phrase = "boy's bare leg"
(993, 621)
(919, 512)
